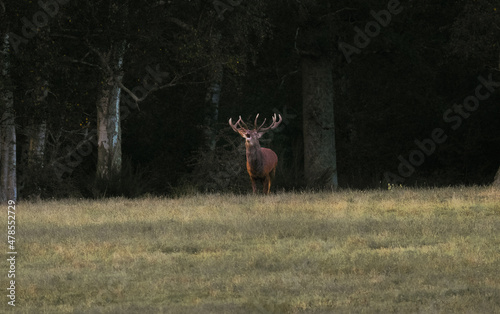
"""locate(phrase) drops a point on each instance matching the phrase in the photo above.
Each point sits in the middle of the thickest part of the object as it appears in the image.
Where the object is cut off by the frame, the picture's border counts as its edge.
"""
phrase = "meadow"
(393, 251)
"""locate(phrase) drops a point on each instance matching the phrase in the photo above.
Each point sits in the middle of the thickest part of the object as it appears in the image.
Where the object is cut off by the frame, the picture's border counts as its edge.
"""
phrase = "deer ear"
(259, 134)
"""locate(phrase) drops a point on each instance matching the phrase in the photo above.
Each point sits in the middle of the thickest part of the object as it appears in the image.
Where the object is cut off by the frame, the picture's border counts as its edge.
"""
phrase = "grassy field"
(402, 251)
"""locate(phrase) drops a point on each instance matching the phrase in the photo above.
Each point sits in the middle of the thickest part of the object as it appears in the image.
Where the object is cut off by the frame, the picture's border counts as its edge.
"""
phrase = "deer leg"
(269, 179)
(254, 186)
(267, 184)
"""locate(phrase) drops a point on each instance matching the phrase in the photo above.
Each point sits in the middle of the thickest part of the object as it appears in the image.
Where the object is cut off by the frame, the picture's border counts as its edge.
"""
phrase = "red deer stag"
(261, 162)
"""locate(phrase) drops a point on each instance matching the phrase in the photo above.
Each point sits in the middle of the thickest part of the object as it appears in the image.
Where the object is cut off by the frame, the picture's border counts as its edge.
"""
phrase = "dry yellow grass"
(404, 251)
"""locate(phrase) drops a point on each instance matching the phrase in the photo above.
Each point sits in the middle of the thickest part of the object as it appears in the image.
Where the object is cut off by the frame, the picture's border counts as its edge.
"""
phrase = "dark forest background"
(207, 61)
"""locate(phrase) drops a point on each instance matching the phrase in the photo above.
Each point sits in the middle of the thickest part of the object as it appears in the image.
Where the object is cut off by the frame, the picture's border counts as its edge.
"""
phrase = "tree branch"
(81, 61)
(85, 63)
(106, 67)
(336, 12)
(173, 82)
(104, 63)
(180, 23)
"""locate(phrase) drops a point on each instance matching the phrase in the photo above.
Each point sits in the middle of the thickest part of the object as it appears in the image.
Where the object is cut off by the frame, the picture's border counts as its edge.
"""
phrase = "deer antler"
(237, 127)
(241, 126)
(255, 123)
(273, 125)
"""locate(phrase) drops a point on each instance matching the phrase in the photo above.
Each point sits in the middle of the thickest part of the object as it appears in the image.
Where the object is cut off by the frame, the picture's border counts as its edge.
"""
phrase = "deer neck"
(254, 157)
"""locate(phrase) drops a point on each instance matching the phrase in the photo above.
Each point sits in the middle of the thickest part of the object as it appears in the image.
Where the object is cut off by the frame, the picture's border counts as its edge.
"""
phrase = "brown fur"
(261, 166)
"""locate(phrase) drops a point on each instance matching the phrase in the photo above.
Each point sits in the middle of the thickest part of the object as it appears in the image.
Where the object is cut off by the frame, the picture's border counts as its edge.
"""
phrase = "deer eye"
(248, 135)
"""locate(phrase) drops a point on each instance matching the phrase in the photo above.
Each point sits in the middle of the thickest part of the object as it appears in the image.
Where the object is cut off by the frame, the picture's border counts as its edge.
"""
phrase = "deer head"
(261, 162)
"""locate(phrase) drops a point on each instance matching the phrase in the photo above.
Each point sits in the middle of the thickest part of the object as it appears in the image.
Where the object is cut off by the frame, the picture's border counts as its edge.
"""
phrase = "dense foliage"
(391, 94)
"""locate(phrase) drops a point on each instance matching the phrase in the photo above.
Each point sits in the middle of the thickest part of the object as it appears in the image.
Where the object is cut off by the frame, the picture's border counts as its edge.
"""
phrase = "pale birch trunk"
(8, 178)
(109, 155)
(320, 162)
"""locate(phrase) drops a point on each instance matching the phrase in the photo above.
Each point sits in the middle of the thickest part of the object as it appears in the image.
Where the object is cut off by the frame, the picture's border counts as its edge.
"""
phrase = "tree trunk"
(320, 165)
(496, 181)
(109, 154)
(37, 131)
(212, 106)
(8, 178)
(36, 141)
(212, 98)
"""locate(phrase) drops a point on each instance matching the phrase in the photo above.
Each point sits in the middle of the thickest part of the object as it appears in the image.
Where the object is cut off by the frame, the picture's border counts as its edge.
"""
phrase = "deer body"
(261, 166)
(261, 162)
